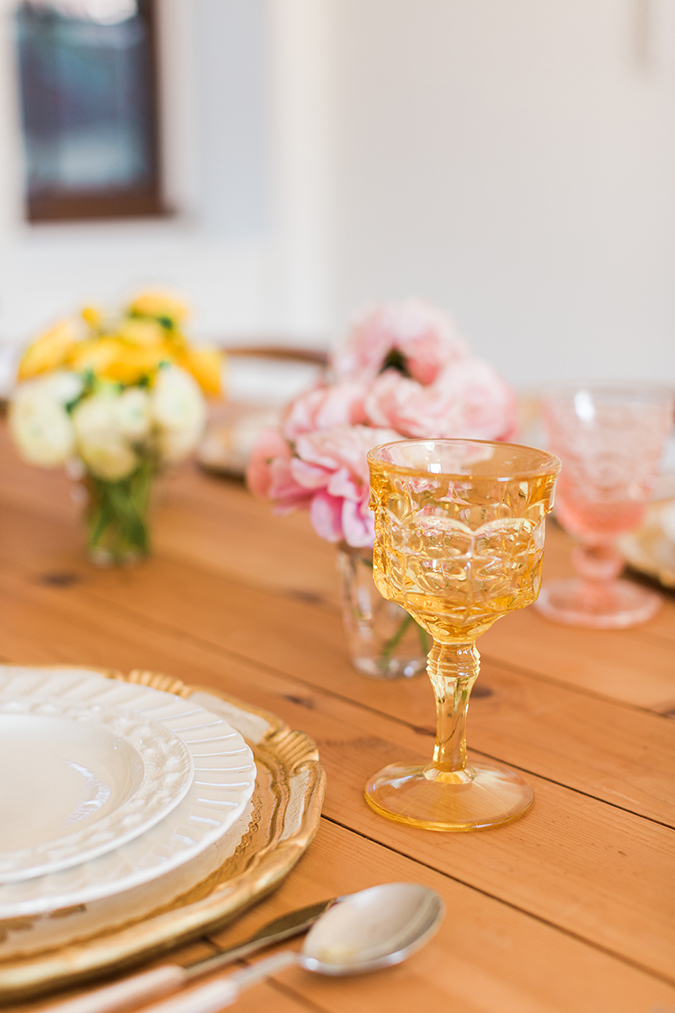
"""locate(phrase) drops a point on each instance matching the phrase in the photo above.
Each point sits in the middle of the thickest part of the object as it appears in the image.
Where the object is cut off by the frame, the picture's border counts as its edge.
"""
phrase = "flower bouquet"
(117, 401)
(402, 371)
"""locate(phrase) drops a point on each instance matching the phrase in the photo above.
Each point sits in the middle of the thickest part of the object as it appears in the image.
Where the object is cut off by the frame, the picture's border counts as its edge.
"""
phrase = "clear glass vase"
(384, 640)
(116, 516)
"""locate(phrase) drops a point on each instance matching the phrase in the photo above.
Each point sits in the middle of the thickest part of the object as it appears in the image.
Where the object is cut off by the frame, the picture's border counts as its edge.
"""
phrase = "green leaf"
(395, 360)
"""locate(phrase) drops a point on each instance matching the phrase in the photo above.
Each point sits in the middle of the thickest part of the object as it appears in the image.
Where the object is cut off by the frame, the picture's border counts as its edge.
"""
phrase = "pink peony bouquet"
(402, 371)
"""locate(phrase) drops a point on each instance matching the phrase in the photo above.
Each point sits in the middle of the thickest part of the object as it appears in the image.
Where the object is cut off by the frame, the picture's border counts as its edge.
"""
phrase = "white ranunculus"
(111, 461)
(101, 441)
(179, 411)
(40, 425)
(95, 419)
(133, 413)
(64, 385)
(176, 399)
(175, 444)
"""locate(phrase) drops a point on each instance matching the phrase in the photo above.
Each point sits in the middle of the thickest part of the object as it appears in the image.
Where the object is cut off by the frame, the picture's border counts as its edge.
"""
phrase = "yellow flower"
(111, 358)
(161, 306)
(206, 365)
(50, 351)
(127, 351)
(177, 340)
(92, 315)
(94, 354)
(133, 363)
(141, 333)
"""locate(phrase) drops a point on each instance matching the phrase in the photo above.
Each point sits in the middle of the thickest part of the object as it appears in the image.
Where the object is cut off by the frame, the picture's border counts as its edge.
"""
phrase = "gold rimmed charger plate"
(286, 808)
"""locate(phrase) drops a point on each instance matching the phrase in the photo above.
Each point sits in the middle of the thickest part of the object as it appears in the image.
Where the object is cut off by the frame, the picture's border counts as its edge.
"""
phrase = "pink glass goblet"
(610, 439)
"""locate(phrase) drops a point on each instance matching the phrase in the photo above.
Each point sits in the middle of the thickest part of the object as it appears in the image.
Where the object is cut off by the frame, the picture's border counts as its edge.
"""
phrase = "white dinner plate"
(23, 937)
(223, 782)
(78, 780)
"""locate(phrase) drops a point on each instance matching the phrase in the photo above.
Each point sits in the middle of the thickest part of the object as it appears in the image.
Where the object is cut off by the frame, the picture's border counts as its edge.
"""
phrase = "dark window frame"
(146, 200)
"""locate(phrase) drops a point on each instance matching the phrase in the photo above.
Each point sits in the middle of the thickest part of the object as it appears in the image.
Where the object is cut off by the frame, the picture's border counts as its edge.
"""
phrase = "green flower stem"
(395, 640)
(117, 516)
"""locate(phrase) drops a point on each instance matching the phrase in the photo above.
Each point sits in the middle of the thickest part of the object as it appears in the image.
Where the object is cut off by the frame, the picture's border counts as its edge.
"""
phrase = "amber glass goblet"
(610, 438)
(459, 528)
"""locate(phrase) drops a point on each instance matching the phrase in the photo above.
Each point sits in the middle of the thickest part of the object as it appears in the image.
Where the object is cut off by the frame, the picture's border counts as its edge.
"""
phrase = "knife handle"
(127, 993)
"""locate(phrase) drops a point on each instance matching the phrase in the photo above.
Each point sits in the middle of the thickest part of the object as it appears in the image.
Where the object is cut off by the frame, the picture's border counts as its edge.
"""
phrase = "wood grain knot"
(480, 690)
(60, 579)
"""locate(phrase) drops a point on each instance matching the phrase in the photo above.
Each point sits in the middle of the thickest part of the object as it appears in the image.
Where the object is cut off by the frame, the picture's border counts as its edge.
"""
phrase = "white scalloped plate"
(79, 780)
(224, 778)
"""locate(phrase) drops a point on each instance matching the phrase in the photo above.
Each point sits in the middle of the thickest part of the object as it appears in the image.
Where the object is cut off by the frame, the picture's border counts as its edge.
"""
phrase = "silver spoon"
(366, 931)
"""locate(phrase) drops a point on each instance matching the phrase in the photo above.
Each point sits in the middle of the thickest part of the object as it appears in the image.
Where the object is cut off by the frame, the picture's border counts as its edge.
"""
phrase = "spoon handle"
(215, 995)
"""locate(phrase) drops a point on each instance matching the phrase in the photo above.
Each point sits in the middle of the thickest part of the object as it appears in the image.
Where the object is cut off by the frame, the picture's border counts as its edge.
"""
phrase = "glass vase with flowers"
(401, 371)
(117, 400)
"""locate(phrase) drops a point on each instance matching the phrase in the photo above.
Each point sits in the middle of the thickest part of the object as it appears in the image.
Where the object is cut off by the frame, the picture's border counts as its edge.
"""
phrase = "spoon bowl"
(375, 928)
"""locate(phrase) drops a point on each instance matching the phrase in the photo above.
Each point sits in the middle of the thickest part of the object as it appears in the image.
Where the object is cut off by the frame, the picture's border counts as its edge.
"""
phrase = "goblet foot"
(482, 795)
(603, 606)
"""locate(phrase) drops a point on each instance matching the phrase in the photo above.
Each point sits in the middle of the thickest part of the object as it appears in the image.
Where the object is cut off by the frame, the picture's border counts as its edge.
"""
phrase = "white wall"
(511, 160)
(514, 161)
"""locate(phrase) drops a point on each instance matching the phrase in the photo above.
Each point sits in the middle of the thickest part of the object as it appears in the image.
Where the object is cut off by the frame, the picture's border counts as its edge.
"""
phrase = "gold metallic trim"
(290, 788)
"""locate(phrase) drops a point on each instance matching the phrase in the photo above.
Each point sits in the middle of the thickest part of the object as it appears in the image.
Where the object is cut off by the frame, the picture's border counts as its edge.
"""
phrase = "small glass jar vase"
(116, 517)
(384, 641)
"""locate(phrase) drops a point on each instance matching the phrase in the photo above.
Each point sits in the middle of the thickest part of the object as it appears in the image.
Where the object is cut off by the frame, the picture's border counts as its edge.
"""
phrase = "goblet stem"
(599, 563)
(598, 566)
(453, 669)
(596, 597)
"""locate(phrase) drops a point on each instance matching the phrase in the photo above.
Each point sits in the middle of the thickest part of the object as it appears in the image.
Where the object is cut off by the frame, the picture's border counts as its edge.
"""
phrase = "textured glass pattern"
(610, 439)
(458, 552)
(459, 543)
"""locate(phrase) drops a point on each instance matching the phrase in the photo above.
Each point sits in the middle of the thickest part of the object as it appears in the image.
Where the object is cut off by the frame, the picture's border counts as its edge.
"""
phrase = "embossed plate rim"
(275, 745)
(108, 832)
(210, 806)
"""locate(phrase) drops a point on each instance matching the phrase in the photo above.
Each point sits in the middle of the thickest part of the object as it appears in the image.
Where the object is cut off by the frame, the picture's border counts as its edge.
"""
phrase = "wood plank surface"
(589, 744)
(238, 537)
(570, 908)
(577, 851)
(487, 956)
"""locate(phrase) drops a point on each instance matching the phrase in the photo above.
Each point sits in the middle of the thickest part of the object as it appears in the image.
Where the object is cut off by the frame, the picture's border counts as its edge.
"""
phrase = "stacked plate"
(113, 798)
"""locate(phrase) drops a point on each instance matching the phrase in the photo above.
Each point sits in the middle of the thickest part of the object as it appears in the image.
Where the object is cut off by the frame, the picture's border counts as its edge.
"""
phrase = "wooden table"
(572, 908)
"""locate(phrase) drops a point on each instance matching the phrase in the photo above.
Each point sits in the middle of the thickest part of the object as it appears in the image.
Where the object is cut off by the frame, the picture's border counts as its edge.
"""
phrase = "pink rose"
(269, 473)
(468, 400)
(402, 372)
(327, 472)
(324, 407)
(425, 340)
(489, 407)
(333, 463)
(411, 409)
